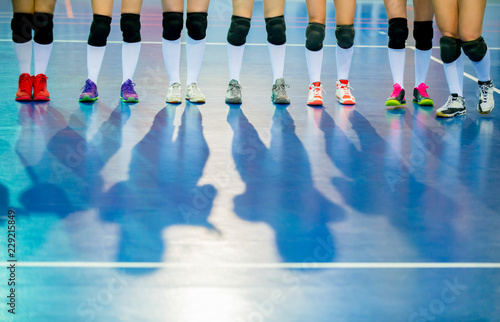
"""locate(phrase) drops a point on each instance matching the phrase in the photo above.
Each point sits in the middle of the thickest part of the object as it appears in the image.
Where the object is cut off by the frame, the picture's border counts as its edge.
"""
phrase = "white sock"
(95, 56)
(483, 67)
(195, 50)
(172, 59)
(344, 59)
(130, 57)
(235, 58)
(454, 75)
(314, 61)
(42, 57)
(277, 54)
(24, 52)
(422, 60)
(397, 61)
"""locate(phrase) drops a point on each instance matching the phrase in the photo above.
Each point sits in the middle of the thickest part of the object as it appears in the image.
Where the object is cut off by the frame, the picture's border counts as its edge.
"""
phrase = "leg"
(423, 33)
(22, 26)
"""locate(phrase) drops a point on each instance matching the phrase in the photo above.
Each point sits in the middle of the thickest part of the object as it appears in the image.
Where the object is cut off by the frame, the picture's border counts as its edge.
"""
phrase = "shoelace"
(176, 89)
(421, 90)
(483, 91)
(318, 90)
(281, 88)
(346, 89)
(234, 87)
(196, 90)
(87, 87)
(129, 87)
(41, 80)
(25, 83)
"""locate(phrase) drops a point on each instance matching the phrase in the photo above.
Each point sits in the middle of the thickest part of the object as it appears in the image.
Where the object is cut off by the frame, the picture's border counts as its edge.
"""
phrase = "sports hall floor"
(156, 212)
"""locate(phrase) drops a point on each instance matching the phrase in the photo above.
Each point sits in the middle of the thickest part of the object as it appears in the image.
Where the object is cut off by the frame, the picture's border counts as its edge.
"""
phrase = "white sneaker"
(194, 95)
(174, 95)
(343, 92)
(486, 102)
(453, 107)
(315, 96)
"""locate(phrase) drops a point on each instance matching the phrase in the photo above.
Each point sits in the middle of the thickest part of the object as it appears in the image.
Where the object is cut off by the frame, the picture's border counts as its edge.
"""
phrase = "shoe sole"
(174, 101)
(315, 103)
(280, 100)
(195, 101)
(424, 102)
(24, 98)
(233, 101)
(87, 98)
(345, 102)
(483, 112)
(130, 100)
(439, 114)
(41, 98)
(394, 103)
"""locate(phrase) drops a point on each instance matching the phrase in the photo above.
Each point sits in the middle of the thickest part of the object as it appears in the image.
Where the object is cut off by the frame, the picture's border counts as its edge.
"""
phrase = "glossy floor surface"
(156, 212)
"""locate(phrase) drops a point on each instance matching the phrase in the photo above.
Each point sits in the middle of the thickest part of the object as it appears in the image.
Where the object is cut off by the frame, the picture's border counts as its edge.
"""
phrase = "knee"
(475, 49)
(196, 24)
(22, 26)
(423, 34)
(345, 36)
(398, 33)
(172, 25)
(99, 30)
(276, 30)
(238, 31)
(315, 35)
(450, 49)
(43, 26)
(130, 25)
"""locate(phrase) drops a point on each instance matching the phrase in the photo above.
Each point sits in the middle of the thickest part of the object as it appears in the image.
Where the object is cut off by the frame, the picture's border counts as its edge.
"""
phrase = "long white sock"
(95, 55)
(42, 57)
(172, 59)
(195, 49)
(344, 59)
(314, 61)
(422, 60)
(235, 58)
(24, 52)
(454, 75)
(277, 54)
(483, 67)
(130, 57)
(397, 61)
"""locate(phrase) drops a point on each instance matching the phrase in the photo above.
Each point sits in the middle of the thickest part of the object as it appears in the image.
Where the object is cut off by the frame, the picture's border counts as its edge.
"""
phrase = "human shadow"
(280, 190)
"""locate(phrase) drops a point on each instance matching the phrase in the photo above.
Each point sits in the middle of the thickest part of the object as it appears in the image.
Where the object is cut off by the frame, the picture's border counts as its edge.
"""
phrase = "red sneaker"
(40, 92)
(25, 89)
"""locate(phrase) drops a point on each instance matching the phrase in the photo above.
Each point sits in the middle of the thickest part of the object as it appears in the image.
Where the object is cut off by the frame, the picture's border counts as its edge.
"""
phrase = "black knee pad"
(130, 24)
(196, 24)
(398, 33)
(315, 35)
(450, 49)
(22, 26)
(423, 34)
(345, 36)
(99, 30)
(43, 26)
(238, 30)
(475, 49)
(172, 25)
(276, 30)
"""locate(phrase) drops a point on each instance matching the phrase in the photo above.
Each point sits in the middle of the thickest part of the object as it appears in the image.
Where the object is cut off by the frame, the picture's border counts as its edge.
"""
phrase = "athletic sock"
(42, 57)
(130, 57)
(235, 58)
(277, 54)
(195, 50)
(24, 52)
(422, 60)
(483, 67)
(95, 55)
(344, 59)
(172, 59)
(314, 61)
(454, 72)
(397, 61)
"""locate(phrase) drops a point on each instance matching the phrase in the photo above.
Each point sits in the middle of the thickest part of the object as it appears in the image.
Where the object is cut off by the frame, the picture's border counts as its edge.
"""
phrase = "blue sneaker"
(128, 93)
(89, 93)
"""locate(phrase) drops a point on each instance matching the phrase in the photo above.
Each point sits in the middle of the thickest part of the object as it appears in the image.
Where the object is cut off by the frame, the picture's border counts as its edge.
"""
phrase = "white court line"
(249, 265)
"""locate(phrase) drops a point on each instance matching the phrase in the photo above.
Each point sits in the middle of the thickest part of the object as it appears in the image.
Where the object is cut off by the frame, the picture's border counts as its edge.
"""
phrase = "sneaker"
(233, 94)
(25, 89)
(454, 106)
(128, 94)
(315, 96)
(174, 95)
(40, 92)
(89, 92)
(344, 92)
(485, 93)
(279, 95)
(421, 97)
(194, 95)
(397, 97)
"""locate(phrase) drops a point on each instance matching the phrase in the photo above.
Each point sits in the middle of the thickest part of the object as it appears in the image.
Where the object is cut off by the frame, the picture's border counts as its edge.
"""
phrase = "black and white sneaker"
(453, 107)
(486, 102)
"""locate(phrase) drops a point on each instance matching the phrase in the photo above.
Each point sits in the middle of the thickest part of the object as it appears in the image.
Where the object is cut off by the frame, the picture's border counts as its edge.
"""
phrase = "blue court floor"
(218, 213)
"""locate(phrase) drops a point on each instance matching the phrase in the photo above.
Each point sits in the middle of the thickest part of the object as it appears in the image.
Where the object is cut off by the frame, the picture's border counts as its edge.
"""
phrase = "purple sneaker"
(89, 93)
(128, 94)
